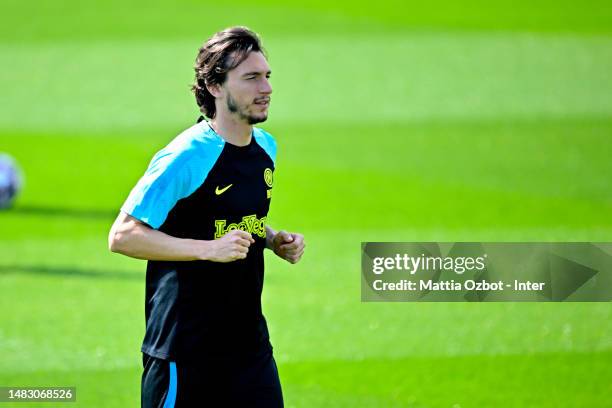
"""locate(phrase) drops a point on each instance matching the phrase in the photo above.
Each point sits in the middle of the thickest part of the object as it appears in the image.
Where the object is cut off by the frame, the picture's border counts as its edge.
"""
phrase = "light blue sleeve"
(174, 173)
(267, 142)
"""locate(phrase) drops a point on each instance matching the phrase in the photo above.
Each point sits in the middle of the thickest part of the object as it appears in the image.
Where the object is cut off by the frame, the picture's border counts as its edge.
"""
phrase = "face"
(246, 91)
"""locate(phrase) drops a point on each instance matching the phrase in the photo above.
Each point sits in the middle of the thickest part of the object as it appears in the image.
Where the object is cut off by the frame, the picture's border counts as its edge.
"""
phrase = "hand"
(232, 246)
(289, 246)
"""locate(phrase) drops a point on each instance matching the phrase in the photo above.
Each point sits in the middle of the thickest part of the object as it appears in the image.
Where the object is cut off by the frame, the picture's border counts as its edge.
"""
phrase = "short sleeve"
(168, 178)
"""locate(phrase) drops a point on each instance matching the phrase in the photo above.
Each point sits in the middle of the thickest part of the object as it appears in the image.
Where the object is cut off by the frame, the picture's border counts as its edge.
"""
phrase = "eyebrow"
(255, 73)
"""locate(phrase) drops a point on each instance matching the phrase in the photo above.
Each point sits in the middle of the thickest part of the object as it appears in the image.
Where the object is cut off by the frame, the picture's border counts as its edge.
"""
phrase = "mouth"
(263, 102)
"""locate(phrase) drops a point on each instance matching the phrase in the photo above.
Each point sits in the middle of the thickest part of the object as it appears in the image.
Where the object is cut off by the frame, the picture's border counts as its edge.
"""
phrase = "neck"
(231, 129)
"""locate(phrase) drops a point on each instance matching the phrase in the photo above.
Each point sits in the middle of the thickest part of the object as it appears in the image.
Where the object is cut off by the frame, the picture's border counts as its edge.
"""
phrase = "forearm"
(270, 233)
(157, 246)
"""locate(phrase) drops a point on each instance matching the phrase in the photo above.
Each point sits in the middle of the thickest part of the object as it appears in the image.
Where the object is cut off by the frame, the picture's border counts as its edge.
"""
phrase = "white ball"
(10, 180)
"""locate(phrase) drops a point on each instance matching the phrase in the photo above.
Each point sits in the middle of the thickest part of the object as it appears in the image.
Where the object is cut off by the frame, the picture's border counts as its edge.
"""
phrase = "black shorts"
(253, 383)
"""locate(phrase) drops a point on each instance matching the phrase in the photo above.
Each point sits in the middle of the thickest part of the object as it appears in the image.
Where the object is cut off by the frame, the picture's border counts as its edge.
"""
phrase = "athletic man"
(198, 216)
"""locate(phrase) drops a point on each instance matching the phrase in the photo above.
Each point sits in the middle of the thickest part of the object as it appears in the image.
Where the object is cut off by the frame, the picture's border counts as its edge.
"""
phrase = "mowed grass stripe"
(418, 76)
(161, 21)
(537, 380)
(457, 175)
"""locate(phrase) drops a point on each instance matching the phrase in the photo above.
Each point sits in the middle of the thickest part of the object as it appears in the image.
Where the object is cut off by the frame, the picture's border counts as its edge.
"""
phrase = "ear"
(214, 89)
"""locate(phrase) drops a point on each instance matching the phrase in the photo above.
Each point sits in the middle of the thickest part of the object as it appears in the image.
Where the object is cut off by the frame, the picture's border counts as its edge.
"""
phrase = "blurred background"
(436, 121)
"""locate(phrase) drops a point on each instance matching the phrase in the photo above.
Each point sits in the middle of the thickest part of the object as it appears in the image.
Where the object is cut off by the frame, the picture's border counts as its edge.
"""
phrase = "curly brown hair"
(223, 52)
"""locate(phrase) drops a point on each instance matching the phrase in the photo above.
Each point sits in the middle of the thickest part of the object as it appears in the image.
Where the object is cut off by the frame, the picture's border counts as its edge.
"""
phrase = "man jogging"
(198, 215)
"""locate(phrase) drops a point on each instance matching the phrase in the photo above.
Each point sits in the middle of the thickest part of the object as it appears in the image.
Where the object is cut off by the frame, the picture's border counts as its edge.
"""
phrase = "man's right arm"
(129, 236)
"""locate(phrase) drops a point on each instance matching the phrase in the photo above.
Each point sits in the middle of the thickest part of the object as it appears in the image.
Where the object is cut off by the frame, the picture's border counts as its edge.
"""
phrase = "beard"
(241, 111)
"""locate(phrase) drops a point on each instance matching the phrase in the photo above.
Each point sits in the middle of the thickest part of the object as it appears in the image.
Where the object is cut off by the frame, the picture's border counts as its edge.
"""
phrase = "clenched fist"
(289, 246)
(232, 246)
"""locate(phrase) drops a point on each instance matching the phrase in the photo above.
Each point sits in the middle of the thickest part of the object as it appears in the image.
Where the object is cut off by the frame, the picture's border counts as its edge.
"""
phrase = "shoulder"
(266, 141)
(192, 148)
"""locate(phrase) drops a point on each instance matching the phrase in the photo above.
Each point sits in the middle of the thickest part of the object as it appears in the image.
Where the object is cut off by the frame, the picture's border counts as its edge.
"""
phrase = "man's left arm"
(287, 245)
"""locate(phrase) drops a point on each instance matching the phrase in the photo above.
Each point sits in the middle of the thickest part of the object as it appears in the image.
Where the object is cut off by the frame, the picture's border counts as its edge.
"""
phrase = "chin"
(257, 119)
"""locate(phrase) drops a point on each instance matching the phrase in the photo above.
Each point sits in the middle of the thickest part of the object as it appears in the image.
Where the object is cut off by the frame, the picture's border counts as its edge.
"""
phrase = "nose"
(266, 88)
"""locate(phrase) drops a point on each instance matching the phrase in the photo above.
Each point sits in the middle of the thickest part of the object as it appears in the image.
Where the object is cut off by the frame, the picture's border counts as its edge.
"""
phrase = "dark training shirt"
(201, 187)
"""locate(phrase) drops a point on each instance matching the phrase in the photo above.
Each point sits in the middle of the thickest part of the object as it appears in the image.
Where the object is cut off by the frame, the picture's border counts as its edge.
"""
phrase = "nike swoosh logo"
(223, 190)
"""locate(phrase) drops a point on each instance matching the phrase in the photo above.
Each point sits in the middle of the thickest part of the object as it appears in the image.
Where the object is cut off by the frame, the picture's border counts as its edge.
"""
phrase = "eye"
(249, 78)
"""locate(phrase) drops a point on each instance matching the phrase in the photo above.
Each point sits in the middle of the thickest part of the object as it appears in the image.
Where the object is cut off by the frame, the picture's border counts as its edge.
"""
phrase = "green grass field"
(435, 122)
